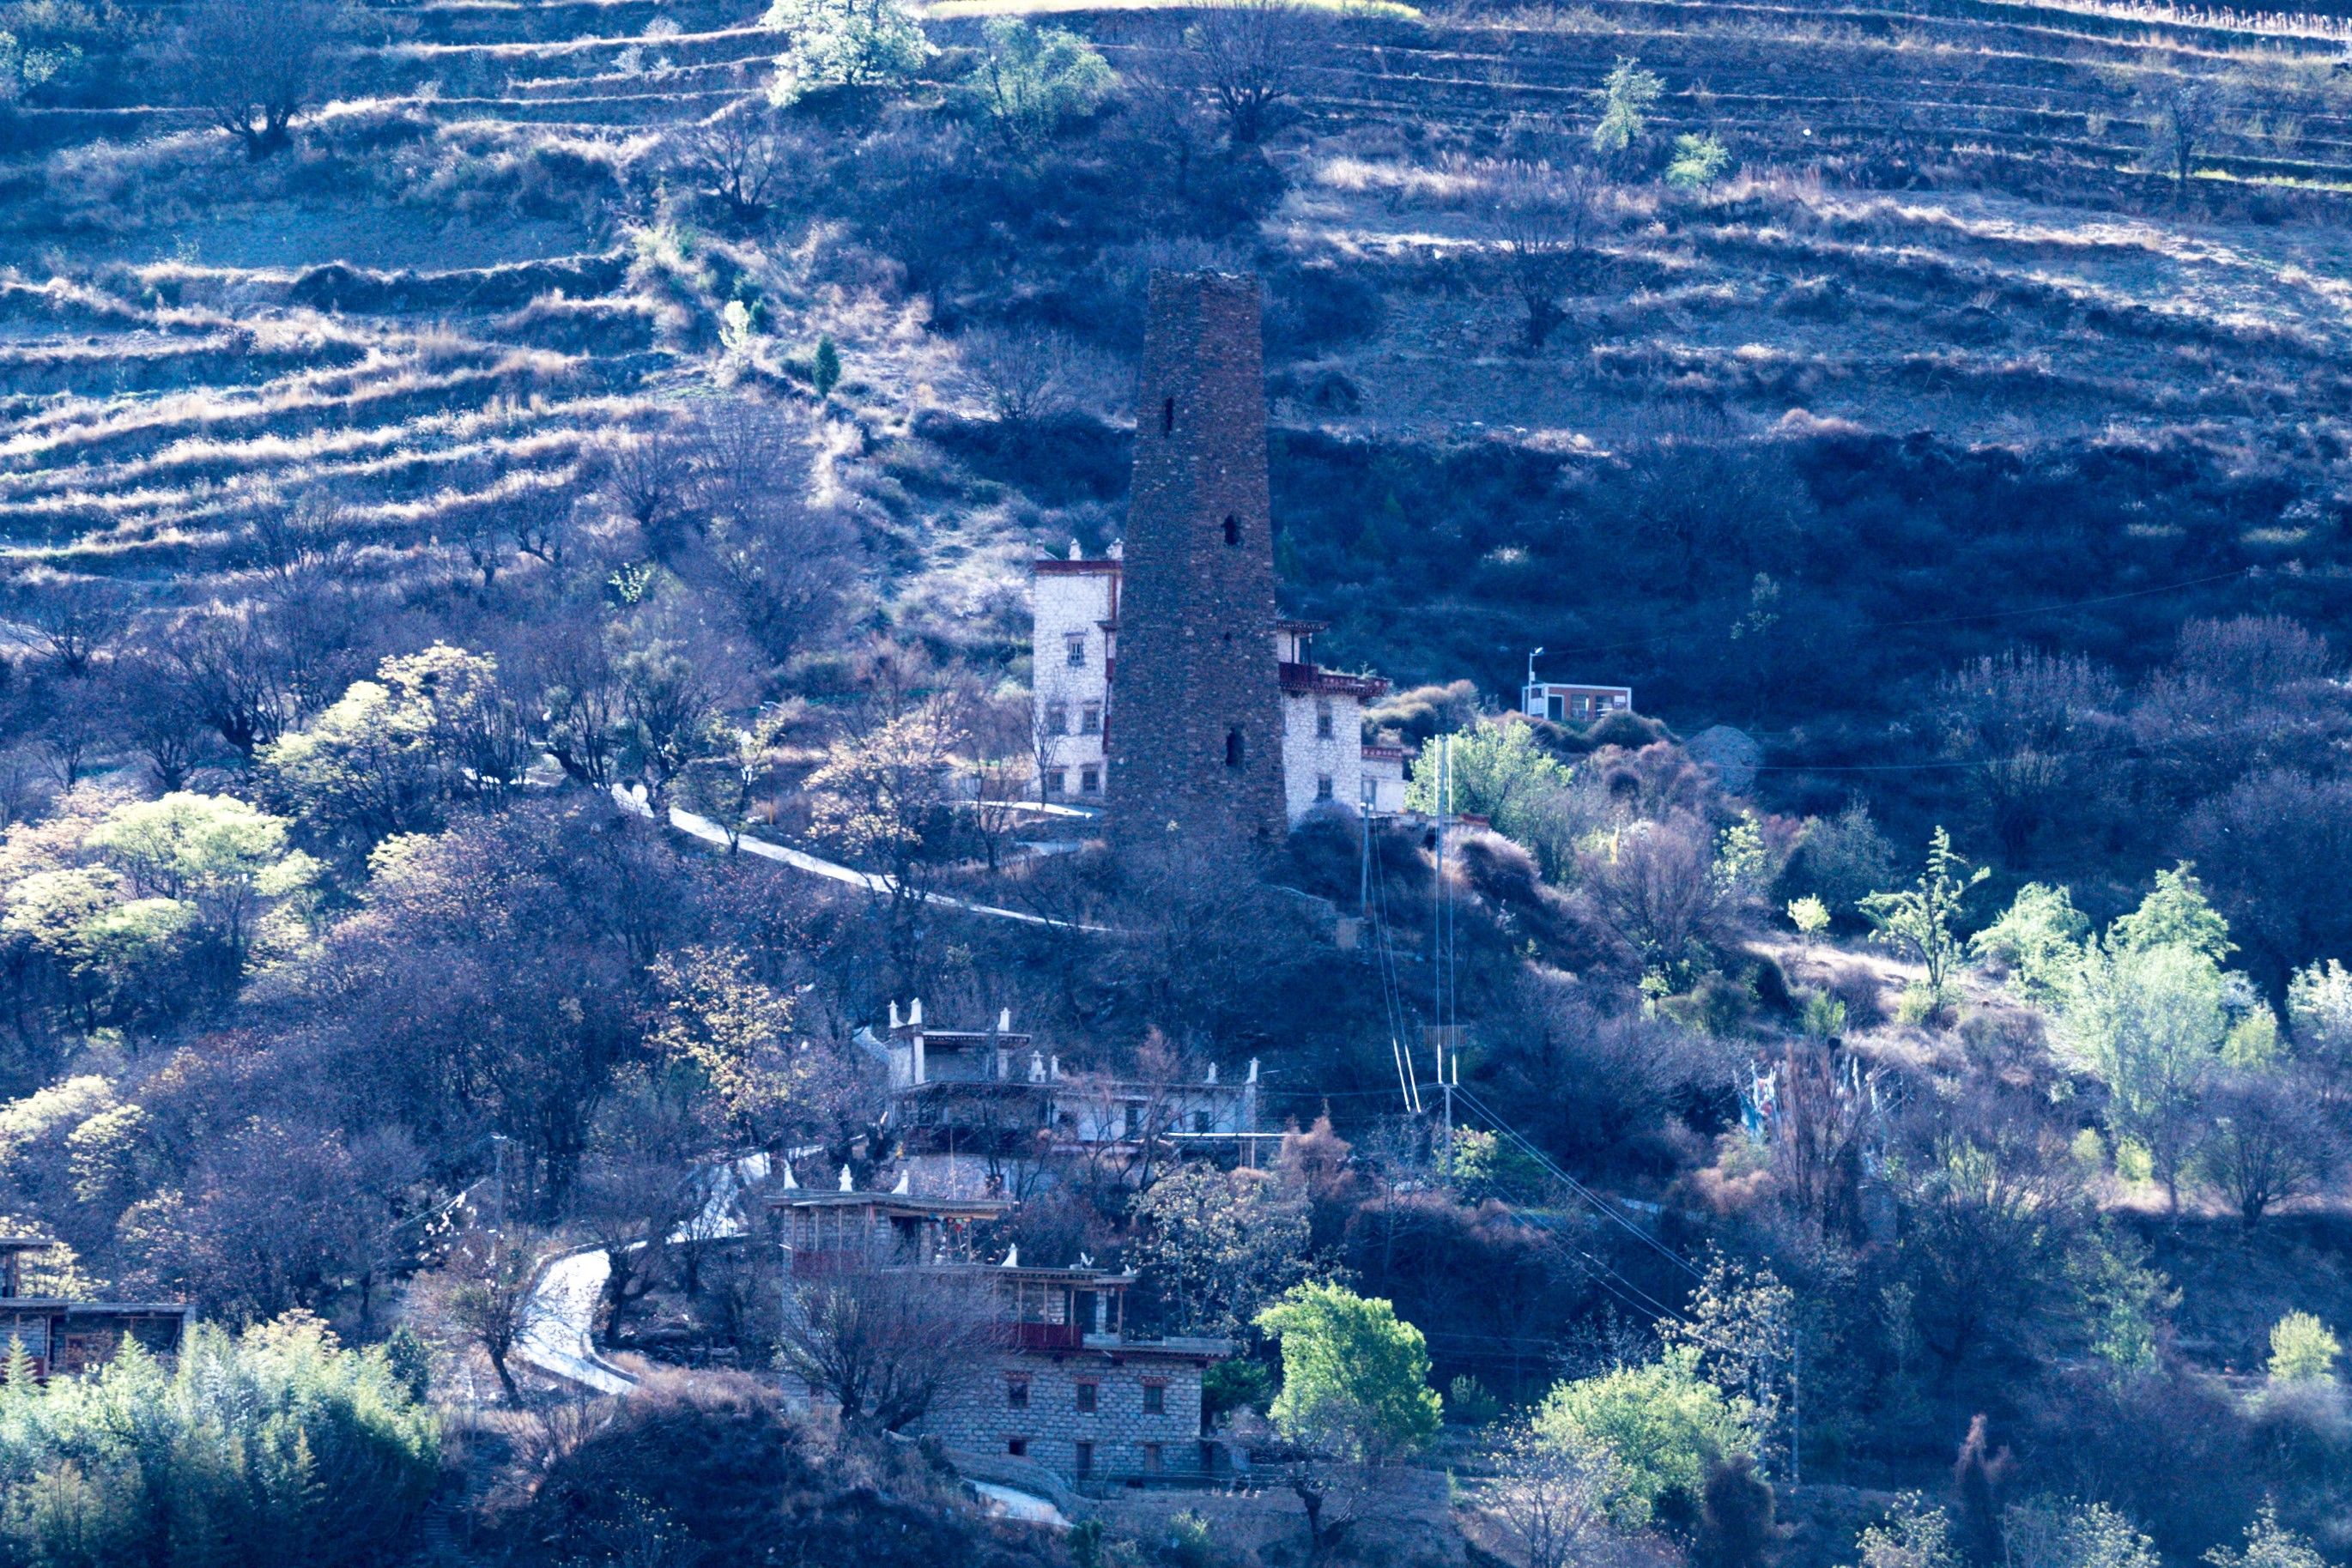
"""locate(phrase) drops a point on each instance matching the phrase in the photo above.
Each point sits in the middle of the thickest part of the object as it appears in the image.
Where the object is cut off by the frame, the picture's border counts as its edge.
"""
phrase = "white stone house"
(980, 1112)
(1068, 1387)
(1074, 655)
(1074, 605)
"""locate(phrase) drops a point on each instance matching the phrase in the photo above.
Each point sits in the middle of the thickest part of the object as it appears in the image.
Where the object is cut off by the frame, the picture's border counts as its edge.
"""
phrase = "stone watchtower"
(1196, 734)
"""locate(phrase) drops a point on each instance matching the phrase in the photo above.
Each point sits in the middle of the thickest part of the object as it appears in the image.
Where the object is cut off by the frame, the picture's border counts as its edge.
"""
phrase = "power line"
(1577, 1188)
(1928, 620)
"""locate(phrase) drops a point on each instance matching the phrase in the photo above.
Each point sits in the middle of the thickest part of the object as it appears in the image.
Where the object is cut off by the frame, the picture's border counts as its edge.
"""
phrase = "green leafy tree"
(1355, 1377)
(2175, 913)
(213, 853)
(101, 945)
(844, 43)
(275, 1447)
(388, 756)
(2048, 1534)
(1811, 916)
(2303, 1350)
(1911, 1535)
(1627, 94)
(1500, 771)
(2269, 1544)
(1662, 1423)
(2038, 940)
(824, 367)
(2150, 1024)
(1355, 1397)
(1917, 921)
(1029, 81)
(1699, 162)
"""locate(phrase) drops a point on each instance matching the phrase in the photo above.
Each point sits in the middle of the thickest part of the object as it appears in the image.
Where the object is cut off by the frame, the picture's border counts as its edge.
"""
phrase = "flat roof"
(104, 1308)
(1187, 1345)
(898, 1202)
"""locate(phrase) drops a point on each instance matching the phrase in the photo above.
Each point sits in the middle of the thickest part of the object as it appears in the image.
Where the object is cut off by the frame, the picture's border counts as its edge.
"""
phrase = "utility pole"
(1437, 932)
(1796, 1406)
(1532, 670)
(498, 1165)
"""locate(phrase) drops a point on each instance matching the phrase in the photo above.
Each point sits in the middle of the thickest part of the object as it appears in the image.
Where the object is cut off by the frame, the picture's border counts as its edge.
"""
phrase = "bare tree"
(2269, 1141)
(163, 719)
(539, 522)
(1247, 57)
(630, 1200)
(785, 565)
(576, 689)
(70, 619)
(1551, 1497)
(740, 155)
(647, 472)
(488, 1295)
(1543, 220)
(2183, 114)
(1027, 374)
(746, 456)
(888, 1342)
(253, 65)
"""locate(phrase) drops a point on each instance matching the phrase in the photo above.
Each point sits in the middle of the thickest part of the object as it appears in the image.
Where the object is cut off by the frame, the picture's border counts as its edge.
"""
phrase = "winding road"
(710, 832)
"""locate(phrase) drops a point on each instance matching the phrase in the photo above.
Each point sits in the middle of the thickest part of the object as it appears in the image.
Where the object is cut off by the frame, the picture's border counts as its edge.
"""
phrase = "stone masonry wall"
(1196, 748)
(981, 1419)
(1066, 604)
(1309, 757)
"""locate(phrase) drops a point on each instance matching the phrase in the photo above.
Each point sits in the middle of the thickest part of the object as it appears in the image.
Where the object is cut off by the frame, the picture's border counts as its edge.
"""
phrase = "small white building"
(1322, 725)
(1073, 652)
(1074, 605)
(1566, 702)
(1383, 785)
(972, 1111)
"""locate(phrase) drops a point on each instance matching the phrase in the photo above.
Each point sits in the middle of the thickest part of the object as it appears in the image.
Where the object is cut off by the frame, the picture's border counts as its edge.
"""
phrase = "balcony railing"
(1048, 1337)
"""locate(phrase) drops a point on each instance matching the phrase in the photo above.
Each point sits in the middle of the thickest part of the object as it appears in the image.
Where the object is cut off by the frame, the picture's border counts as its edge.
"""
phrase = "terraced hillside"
(1944, 224)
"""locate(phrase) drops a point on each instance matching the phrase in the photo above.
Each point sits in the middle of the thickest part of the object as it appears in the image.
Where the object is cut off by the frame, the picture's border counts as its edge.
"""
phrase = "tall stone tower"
(1196, 721)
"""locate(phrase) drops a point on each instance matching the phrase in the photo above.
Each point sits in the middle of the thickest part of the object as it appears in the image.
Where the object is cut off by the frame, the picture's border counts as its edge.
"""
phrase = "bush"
(1664, 1424)
(274, 1447)
(1841, 861)
(2303, 1350)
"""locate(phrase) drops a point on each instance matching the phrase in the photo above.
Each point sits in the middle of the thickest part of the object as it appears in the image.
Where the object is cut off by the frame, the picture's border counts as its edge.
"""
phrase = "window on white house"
(1057, 718)
(1322, 718)
(1089, 780)
(1322, 785)
(1089, 1395)
(1058, 781)
(1090, 718)
(1074, 646)
(1155, 1399)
